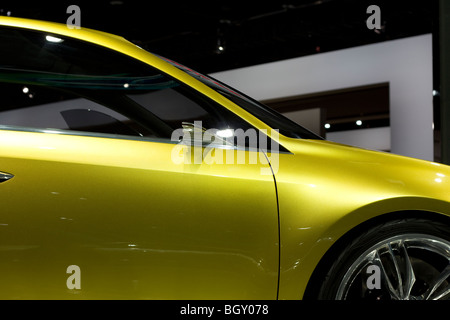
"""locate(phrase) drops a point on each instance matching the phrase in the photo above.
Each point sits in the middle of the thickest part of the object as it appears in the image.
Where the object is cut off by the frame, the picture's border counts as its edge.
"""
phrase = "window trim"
(83, 134)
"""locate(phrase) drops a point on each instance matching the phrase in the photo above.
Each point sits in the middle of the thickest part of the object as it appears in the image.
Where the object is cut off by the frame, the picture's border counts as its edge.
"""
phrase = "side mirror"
(196, 135)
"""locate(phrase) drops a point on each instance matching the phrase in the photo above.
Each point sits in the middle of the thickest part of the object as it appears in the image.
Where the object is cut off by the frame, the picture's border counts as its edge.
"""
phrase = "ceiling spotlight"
(358, 122)
(220, 46)
(4, 12)
(327, 126)
(25, 90)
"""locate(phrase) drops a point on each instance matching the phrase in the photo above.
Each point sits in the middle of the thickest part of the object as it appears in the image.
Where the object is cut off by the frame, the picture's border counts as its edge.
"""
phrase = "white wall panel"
(406, 64)
(372, 138)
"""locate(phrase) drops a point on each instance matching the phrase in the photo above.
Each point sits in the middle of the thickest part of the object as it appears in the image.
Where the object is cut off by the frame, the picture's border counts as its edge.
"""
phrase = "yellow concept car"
(124, 175)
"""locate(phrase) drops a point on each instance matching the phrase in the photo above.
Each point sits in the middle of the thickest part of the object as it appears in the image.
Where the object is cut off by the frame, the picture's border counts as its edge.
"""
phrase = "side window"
(35, 107)
(53, 82)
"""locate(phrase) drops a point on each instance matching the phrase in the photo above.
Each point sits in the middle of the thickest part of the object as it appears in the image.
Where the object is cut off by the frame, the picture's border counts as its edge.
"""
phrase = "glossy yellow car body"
(140, 226)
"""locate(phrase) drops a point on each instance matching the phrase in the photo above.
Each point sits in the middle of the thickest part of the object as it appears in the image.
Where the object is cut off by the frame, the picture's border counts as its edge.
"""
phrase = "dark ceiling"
(250, 32)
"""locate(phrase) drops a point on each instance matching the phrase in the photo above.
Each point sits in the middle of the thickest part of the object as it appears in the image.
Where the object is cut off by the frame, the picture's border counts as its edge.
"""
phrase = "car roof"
(100, 38)
(87, 34)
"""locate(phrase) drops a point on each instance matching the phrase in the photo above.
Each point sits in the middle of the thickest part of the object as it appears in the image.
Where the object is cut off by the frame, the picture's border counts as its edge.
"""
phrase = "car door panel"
(137, 224)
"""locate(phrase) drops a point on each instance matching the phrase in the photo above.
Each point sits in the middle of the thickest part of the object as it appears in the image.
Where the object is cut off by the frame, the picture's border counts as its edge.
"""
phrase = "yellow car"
(124, 175)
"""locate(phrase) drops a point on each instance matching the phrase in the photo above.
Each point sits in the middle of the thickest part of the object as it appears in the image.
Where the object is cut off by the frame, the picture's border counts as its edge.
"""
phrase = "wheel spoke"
(398, 275)
(431, 293)
(392, 291)
(410, 277)
(405, 281)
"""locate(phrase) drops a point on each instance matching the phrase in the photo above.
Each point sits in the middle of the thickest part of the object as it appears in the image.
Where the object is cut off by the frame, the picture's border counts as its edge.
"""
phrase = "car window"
(52, 82)
(271, 117)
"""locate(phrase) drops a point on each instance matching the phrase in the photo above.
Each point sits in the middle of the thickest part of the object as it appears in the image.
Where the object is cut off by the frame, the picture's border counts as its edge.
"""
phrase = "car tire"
(405, 259)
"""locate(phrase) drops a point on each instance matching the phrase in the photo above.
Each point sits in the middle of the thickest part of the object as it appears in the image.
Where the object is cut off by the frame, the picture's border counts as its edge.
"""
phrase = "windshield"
(269, 116)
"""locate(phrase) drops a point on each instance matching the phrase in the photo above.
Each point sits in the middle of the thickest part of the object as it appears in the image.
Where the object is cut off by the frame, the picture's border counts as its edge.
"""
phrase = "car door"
(97, 201)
